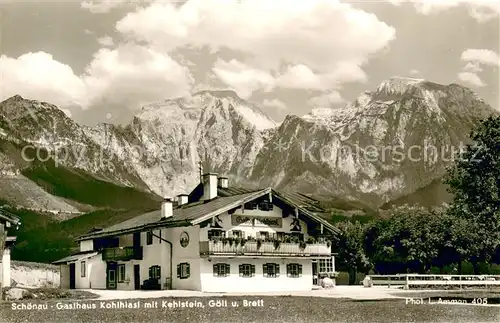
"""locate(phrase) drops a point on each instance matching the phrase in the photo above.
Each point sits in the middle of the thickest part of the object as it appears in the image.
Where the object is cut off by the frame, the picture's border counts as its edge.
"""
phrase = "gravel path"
(350, 292)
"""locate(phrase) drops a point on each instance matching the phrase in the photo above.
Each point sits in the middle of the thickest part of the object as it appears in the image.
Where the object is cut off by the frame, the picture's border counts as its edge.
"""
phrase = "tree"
(475, 182)
(351, 248)
(409, 239)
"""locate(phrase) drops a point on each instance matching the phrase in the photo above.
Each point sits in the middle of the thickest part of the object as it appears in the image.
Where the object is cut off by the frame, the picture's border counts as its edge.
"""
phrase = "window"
(215, 234)
(264, 235)
(294, 270)
(183, 270)
(237, 234)
(271, 270)
(247, 270)
(121, 273)
(325, 265)
(222, 270)
(83, 268)
(149, 238)
(155, 272)
(299, 236)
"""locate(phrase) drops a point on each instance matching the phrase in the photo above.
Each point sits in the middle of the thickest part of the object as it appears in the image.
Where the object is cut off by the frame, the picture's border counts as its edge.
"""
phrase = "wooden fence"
(419, 280)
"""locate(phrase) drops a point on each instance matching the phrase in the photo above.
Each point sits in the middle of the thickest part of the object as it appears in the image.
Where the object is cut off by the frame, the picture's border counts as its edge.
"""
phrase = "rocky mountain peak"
(322, 152)
(398, 85)
(204, 104)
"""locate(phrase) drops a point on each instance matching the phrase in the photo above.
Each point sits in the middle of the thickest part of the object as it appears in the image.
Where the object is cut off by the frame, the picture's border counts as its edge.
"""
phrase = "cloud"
(475, 59)
(274, 103)
(39, 76)
(471, 79)
(278, 39)
(300, 77)
(482, 56)
(133, 75)
(130, 75)
(473, 67)
(481, 10)
(326, 100)
(105, 41)
(242, 78)
(105, 6)
(97, 6)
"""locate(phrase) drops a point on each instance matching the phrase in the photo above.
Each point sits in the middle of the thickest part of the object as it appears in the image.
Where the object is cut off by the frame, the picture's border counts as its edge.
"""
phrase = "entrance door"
(315, 272)
(72, 276)
(137, 277)
(111, 275)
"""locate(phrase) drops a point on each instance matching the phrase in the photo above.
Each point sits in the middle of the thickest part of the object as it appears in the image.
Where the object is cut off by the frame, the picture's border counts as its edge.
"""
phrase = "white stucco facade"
(95, 273)
(234, 283)
(183, 257)
(5, 268)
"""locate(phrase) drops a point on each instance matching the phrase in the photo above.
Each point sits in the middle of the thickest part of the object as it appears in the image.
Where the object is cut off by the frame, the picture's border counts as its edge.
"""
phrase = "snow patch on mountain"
(398, 85)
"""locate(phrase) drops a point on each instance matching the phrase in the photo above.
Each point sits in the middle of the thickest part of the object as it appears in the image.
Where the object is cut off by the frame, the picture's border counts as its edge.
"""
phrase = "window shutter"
(159, 272)
(253, 270)
(241, 269)
(228, 269)
(215, 270)
(288, 269)
(188, 270)
(300, 269)
(178, 271)
(277, 270)
(264, 270)
(150, 272)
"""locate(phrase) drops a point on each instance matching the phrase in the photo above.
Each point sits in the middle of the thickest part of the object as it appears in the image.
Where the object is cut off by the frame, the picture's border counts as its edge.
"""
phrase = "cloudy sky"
(103, 60)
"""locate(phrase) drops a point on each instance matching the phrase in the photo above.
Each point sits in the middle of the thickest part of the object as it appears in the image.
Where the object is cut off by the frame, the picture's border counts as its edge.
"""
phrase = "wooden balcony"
(122, 253)
(251, 248)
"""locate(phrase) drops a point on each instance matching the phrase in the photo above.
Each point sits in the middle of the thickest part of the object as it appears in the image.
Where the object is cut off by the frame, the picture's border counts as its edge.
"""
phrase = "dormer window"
(250, 206)
(266, 206)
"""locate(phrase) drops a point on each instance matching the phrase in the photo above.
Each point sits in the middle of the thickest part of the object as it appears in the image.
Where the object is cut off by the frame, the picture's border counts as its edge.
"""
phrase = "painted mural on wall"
(245, 220)
(184, 239)
(295, 225)
(216, 223)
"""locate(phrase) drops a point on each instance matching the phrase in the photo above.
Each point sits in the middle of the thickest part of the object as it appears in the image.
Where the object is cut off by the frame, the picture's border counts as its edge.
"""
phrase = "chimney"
(209, 186)
(223, 182)
(182, 199)
(166, 208)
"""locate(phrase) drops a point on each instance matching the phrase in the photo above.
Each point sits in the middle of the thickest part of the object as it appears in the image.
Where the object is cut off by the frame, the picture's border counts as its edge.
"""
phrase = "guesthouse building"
(7, 222)
(216, 239)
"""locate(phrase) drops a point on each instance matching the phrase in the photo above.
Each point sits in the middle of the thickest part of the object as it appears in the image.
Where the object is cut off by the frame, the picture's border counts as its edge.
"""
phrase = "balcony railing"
(250, 248)
(122, 253)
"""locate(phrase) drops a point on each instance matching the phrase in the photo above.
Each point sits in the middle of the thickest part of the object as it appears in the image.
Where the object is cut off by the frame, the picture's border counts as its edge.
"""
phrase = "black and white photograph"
(249, 161)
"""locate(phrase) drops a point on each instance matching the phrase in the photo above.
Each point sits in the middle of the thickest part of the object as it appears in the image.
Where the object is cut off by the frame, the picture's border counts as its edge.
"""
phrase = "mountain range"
(389, 146)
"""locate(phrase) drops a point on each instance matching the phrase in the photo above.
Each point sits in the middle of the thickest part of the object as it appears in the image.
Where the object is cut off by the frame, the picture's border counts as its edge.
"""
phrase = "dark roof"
(6, 216)
(182, 216)
(229, 191)
(76, 257)
(299, 199)
(197, 211)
